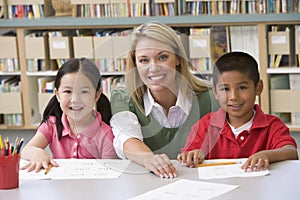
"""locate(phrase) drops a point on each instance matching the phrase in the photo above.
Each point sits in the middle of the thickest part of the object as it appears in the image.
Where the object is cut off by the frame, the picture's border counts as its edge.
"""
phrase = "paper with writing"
(79, 169)
(227, 171)
(184, 189)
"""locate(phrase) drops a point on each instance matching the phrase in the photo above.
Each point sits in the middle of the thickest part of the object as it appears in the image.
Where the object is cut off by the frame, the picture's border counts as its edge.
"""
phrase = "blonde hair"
(164, 34)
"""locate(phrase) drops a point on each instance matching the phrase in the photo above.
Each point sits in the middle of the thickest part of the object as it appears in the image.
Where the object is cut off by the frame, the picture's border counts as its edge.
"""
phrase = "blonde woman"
(162, 100)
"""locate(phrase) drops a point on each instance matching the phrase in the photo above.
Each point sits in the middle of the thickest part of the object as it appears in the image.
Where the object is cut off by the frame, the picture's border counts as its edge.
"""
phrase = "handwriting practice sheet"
(227, 171)
(184, 189)
(79, 169)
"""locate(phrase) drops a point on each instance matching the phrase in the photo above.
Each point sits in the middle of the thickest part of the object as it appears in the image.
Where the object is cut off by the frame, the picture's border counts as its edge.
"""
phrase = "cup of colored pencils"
(9, 163)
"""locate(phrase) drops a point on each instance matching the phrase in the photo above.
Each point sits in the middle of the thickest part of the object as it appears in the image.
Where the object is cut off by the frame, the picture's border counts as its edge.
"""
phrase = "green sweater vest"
(158, 138)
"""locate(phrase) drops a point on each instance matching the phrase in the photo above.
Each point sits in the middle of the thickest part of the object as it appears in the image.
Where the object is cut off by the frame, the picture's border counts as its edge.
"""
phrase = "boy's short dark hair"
(236, 61)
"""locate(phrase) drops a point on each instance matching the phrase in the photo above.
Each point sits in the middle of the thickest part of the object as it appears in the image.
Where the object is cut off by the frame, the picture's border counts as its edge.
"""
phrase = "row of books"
(111, 9)
(34, 65)
(129, 8)
(226, 7)
(11, 119)
(46, 84)
(140, 8)
(10, 84)
(242, 7)
(110, 83)
(9, 65)
(26, 9)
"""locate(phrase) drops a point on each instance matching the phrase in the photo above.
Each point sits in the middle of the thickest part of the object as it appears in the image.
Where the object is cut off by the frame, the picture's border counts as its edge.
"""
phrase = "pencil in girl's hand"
(48, 168)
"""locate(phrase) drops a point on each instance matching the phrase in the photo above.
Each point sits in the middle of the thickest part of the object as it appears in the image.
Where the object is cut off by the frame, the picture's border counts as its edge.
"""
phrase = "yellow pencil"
(216, 164)
(48, 168)
(0, 141)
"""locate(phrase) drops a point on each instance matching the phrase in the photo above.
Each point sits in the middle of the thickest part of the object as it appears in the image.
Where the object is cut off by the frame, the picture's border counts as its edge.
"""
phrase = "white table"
(283, 183)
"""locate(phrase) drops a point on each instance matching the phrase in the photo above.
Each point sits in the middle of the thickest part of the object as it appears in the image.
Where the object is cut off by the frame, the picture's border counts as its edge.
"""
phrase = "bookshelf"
(283, 72)
(23, 26)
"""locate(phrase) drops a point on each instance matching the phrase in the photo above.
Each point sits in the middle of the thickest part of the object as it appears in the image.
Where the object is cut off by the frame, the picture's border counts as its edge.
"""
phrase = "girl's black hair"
(90, 70)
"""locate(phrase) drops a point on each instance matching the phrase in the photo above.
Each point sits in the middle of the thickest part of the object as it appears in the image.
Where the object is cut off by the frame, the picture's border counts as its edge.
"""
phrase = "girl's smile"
(77, 98)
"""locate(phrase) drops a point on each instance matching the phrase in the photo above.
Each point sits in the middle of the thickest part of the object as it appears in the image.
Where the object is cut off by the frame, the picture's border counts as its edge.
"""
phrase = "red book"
(19, 11)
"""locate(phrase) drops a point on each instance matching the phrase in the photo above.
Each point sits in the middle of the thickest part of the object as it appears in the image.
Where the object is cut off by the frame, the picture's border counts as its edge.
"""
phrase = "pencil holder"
(9, 171)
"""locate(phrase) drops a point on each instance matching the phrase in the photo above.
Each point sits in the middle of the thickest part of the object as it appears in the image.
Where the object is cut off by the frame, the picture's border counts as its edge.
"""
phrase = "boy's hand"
(191, 158)
(256, 162)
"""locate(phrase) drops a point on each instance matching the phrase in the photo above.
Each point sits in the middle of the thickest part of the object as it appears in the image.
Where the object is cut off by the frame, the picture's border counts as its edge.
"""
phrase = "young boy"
(239, 129)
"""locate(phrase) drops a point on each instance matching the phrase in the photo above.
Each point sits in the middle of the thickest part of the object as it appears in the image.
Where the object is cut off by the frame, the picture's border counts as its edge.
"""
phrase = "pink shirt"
(214, 137)
(96, 141)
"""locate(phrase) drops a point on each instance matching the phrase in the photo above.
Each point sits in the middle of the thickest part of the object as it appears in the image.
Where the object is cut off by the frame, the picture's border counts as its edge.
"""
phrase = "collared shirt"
(244, 127)
(214, 137)
(95, 141)
(177, 114)
(125, 124)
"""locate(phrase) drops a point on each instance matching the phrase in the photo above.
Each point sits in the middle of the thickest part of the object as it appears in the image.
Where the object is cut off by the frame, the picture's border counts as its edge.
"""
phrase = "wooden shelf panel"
(294, 128)
(70, 22)
(284, 70)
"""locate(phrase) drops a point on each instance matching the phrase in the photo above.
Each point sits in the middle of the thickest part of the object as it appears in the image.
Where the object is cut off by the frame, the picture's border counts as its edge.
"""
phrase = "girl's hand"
(191, 158)
(256, 162)
(160, 165)
(40, 160)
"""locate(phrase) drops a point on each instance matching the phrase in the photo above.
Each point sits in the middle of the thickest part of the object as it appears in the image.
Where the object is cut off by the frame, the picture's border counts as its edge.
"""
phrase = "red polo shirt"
(215, 138)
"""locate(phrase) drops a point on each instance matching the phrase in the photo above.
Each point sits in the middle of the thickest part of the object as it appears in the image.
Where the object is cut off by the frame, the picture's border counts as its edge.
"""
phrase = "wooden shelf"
(10, 73)
(284, 70)
(42, 73)
(112, 73)
(123, 22)
(294, 128)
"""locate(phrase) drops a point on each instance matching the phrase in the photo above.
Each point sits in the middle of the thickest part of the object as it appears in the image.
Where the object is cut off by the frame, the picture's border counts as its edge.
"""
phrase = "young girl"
(70, 125)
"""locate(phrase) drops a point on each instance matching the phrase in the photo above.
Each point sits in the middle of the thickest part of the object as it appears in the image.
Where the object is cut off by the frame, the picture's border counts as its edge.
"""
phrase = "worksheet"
(226, 168)
(185, 189)
(79, 169)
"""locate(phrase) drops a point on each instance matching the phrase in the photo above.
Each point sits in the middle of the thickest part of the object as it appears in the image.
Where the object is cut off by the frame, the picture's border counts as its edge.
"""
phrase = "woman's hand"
(40, 160)
(160, 165)
(191, 158)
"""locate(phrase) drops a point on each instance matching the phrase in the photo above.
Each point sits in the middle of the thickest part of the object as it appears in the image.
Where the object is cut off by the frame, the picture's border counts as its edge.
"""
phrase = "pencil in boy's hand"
(216, 164)
(48, 168)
